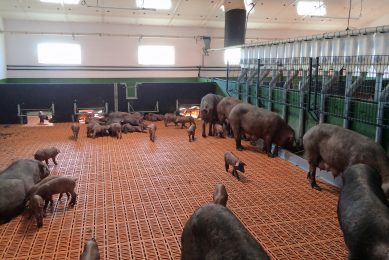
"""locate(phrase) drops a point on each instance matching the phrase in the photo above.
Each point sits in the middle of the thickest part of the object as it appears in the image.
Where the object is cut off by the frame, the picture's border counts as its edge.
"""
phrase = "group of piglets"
(214, 232)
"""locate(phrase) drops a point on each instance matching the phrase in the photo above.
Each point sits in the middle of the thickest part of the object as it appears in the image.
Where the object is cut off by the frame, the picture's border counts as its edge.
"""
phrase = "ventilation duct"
(235, 23)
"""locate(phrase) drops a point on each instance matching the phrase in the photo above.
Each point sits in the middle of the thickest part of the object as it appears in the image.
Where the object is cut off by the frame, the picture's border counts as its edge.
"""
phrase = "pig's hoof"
(204, 136)
(315, 186)
(240, 148)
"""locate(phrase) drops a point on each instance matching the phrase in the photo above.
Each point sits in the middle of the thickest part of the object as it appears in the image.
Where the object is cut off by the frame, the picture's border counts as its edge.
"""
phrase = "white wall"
(115, 45)
(3, 63)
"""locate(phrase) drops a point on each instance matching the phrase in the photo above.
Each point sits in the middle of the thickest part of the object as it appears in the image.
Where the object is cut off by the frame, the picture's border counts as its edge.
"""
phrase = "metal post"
(380, 114)
(258, 72)
(106, 107)
(228, 66)
(115, 97)
(309, 85)
(378, 86)
(323, 94)
(347, 100)
(52, 109)
(19, 114)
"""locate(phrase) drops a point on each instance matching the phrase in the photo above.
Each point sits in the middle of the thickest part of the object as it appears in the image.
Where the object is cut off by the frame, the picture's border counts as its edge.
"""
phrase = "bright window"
(67, 2)
(311, 8)
(156, 55)
(59, 53)
(156, 4)
(232, 56)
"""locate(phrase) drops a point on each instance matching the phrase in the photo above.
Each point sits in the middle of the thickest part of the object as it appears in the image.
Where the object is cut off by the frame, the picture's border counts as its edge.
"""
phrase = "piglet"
(218, 130)
(45, 180)
(116, 130)
(191, 132)
(152, 129)
(220, 195)
(42, 117)
(185, 119)
(237, 165)
(91, 250)
(35, 208)
(46, 153)
(59, 185)
(75, 129)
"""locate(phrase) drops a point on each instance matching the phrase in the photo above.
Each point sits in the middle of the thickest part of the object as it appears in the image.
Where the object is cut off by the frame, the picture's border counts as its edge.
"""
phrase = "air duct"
(235, 23)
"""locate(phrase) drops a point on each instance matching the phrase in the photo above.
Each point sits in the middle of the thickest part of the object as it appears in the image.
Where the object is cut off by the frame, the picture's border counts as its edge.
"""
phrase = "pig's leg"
(275, 151)
(210, 132)
(238, 141)
(74, 198)
(237, 175)
(312, 174)
(267, 145)
(226, 165)
(203, 128)
(47, 161)
(55, 162)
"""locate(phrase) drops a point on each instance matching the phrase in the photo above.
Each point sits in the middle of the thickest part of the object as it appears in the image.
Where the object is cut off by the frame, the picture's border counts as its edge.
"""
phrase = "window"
(59, 53)
(154, 4)
(156, 55)
(232, 56)
(66, 2)
(316, 8)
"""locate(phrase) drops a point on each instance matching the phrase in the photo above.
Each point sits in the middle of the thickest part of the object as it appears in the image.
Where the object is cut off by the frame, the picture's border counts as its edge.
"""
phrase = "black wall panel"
(40, 96)
(167, 93)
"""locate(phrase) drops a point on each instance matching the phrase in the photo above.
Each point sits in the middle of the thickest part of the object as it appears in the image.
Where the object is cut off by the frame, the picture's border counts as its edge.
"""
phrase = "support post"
(380, 113)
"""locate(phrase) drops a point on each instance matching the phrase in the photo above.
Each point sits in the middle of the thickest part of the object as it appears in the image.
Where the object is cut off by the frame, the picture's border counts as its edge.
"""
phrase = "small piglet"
(218, 130)
(237, 165)
(45, 180)
(35, 208)
(91, 251)
(191, 132)
(220, 195)
(116, 130)
(46, 153)
(42, 117)
(58, 185)
(152, 129)
(184, 119)
(75, 129)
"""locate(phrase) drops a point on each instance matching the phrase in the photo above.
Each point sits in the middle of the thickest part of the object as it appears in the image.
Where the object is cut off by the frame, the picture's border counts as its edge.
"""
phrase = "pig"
(42, 117)
(124, 118)
(152, 117)
(116, 130)
(152, 129)
(191, 132)
(214, 232)
(170, 118)
(160, 117)
(127, 128)
(59, 185)
(75, 129)
(100, 130)
(237, 165)
(45, 154)
(223, 109)
(260, 123)
(208, 111)
(91, 250)
(15, 182)
(35, 209)
(363, 213)
(218, 130)
(185, 119)
(45, 180)
(220, 195)
(335, 148)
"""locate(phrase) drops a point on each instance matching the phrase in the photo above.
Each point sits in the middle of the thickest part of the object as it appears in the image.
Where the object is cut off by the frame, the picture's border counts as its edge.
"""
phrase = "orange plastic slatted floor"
(134, 196)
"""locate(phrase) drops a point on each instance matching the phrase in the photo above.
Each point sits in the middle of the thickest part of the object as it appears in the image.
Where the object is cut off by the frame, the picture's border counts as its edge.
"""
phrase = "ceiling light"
(157, 4)
(316, 8)
(66, 2)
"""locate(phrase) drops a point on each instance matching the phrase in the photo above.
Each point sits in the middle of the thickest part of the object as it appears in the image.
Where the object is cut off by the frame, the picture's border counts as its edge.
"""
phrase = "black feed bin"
(235, 23)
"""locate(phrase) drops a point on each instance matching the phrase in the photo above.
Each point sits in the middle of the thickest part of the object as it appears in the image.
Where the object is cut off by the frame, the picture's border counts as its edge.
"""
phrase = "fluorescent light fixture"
(232, 56)
(59, 53)
(156, 55)
(316, 8)
(66, 2)
(154, 4)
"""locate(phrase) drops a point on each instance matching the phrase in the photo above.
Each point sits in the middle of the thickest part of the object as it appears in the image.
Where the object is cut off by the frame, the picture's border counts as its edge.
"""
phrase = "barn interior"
(310, 62)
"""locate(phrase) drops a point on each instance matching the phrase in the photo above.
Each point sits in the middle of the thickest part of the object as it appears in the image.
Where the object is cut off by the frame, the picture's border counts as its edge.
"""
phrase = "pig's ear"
(243, 164)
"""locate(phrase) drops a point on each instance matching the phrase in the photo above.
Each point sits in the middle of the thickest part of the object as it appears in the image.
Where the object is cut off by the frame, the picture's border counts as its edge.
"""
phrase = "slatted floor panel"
(134, 196)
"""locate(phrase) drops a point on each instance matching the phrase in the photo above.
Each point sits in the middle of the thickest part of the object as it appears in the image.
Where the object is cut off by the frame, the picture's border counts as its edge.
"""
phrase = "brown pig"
(99, 130)
(75, 129)
(170, 118)
(220, 195)
(43, 181)
(35, 208)
(185, 119)
(116, 130)
(191, 132)
(208, 112)
(152, 129)
(237, 165)
(260, 123)
(47, 153)
(223, 109)
(91, 250)
(59, 185)
(218, 130)
(335, 148)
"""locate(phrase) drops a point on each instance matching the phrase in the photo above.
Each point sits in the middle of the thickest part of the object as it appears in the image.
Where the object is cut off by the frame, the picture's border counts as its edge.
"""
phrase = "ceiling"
(267, 14)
